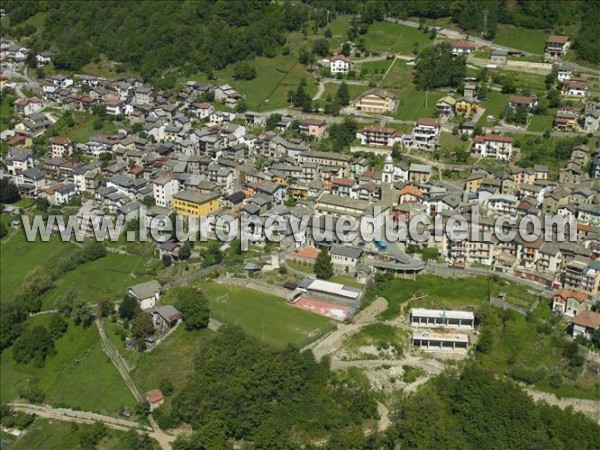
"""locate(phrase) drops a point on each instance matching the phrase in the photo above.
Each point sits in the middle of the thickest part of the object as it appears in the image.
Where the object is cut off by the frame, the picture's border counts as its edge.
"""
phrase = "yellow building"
(466, 107)
(474, 182)
(195, 204)
(299, 192)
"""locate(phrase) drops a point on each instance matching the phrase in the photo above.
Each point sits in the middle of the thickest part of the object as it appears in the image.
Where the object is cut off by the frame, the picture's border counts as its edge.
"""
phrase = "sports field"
(263, 316)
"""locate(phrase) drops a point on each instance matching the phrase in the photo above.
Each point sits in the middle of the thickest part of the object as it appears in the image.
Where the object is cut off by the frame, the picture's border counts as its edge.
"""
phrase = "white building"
(163, 189)
(436, 318)
(340, 64)
(493, 146)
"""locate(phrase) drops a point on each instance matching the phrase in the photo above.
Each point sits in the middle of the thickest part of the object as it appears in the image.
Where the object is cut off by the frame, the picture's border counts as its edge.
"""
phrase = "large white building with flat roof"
(430, 341)
(437, 318)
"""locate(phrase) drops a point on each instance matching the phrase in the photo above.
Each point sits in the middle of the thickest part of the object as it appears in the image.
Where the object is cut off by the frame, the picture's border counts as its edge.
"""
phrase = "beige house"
(376, 101)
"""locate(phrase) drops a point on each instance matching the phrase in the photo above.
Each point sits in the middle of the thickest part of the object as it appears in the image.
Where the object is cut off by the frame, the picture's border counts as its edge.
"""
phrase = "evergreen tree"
(323, 265)
(343, 94)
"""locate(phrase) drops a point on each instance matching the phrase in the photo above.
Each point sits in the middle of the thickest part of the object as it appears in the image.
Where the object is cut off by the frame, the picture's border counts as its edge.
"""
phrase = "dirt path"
(320, 90)
(384, 417)
(70, 415)
(163, 438)
(333, 341)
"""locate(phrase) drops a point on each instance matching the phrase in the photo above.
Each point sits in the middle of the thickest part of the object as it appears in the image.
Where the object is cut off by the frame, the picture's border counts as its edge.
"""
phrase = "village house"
(585, 324)
(378, 136)
(425, 135)
(445, 107)
(189, 203)
(570, 303)
(27, 106)
(313, 127)
(340, 64)
(556, 48)
(575, 88)
(165, 317)
(376, 101)
(61, 146)
(514, 101)
(462, 47)
(493, 146)
(345, 258)
(163, 189)
(147, 294)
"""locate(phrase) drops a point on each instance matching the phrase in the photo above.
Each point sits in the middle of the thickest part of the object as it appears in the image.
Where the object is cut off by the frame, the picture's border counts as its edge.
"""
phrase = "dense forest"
(154, 38)
(244, 391)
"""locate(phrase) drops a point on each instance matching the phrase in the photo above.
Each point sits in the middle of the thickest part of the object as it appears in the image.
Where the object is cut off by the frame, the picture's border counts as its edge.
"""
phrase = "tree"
(343, 94)
(128, 307)
(90, 437)
(185, 251)
(34, 345)
(194, 307)
(321, 47)
(346, 49)
(9, 193)
(148, 201)
(243, 71)
(106, 306)
(42, 204)
(57, 326)
(241, 106)
(82, 313)
(327, 34)
(166, 387)
(3, 229)
(437, 67)
(272, 121)
(323, 265)
(141, 327)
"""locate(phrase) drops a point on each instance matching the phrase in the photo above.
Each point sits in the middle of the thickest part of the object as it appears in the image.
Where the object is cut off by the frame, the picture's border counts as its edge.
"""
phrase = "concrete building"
(432, 342)
(436, 318)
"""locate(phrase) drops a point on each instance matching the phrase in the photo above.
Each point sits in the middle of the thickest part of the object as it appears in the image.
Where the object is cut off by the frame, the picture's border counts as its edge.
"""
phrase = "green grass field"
(413, 104)
(263, 316)
(274, 78)
(107, 277)
(339, 31)
(173, 359)
(54, 435)
(84, 129)
(332, 88)
(494, 105)
(525, 39)
(79, 375)
(450, 142)
(20, 257)
(394, 38)
(541, 123)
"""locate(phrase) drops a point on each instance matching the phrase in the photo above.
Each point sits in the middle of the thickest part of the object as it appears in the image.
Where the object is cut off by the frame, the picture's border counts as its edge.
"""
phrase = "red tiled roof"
(557, 39)
(462, 44)
(306, 253)
(379, 130)
(154, 396)
(584, 227)
(428, 121)
(341, 58)
(588, 319)
(493, 138)
(342, 182)
(521, 99)
(567, 293)
(411, 190)
(60, 140)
